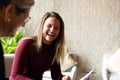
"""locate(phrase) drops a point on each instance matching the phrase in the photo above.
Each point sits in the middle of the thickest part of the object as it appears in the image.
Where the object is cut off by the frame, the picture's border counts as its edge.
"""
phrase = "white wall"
(92, 28)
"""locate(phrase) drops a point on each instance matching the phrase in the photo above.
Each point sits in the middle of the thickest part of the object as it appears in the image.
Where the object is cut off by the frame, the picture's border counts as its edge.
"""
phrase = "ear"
(9, 11)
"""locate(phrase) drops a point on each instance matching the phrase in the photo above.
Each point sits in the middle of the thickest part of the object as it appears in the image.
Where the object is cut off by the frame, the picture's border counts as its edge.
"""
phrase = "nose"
(52, 28)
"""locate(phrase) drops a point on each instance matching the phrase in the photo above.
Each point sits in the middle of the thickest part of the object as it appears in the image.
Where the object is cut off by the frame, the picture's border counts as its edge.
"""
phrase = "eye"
(49, 26)
(56, 28)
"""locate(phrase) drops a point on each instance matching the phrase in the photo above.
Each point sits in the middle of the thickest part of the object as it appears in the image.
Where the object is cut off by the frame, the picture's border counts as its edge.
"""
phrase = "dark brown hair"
(5, 3)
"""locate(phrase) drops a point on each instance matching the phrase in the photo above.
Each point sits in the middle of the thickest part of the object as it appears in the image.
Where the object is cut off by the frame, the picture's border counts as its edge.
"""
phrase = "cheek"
(43, 33)
(17, 20)
(16, 24)
(44, 30)
(19, 23)
(13, 26)
(58, 32)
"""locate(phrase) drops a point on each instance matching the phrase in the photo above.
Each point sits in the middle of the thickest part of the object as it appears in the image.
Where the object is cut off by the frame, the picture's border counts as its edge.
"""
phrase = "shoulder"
(27, 40)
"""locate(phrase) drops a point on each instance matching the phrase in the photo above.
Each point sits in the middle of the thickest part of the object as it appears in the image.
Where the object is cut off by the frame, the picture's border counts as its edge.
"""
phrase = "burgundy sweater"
(28, 64)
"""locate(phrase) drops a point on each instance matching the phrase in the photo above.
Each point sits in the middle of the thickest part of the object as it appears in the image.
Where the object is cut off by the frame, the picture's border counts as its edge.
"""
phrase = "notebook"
(87, 75)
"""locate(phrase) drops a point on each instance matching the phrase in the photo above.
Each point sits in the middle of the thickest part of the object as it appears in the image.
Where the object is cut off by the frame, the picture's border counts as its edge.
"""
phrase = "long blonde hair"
(60, 40)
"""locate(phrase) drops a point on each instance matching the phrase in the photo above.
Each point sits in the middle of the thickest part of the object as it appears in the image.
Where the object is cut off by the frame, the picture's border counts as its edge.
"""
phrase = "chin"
(50, 41)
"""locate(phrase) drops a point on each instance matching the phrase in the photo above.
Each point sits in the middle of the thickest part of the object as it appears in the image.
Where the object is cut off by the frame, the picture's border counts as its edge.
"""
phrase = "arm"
(20, 62)
(56, 72)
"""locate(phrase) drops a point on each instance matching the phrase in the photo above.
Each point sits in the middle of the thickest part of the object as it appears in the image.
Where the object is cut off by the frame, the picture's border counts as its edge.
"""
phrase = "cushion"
(68, 61)
(115, 77)
(113, 63)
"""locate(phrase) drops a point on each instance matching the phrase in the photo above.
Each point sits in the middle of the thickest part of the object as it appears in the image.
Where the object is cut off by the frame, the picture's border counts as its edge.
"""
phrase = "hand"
(66, 78)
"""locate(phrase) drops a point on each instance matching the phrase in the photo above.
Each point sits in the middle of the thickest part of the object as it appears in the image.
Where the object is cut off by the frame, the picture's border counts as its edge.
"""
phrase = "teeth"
(51, 34)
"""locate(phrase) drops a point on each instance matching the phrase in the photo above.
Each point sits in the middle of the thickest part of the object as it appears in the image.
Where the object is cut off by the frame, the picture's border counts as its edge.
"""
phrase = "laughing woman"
(41, 52)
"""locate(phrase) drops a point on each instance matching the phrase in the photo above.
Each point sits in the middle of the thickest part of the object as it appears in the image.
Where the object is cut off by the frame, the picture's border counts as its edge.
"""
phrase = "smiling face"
(51, 30)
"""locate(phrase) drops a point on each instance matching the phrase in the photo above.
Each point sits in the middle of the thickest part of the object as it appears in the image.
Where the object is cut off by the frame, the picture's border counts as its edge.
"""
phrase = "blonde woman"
(41, 52)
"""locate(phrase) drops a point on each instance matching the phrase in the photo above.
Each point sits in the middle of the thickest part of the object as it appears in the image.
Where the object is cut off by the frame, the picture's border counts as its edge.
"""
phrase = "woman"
(41, 52)
(13, 14)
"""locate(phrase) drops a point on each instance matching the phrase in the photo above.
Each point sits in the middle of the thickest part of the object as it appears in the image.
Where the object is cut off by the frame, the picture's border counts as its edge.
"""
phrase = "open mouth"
(51, 34)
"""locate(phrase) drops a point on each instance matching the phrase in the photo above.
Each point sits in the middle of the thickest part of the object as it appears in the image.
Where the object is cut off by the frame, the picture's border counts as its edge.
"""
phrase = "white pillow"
(113, 62)
(68, 61)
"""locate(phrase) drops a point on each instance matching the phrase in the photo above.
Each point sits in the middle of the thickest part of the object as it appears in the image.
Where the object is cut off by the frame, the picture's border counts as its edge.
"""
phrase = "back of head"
(24, 4)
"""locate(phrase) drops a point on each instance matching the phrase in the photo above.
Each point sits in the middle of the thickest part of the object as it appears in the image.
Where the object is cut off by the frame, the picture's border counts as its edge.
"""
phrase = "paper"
(87, 75)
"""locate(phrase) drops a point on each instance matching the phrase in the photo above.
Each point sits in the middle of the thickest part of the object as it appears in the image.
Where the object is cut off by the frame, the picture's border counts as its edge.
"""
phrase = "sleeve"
(56, 71)
(20, 62)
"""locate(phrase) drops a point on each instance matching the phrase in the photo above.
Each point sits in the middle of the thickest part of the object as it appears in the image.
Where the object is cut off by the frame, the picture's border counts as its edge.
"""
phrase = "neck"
(45, 41)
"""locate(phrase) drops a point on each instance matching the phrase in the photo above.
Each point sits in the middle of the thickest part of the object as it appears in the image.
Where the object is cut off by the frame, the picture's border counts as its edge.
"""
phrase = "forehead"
(52, 20)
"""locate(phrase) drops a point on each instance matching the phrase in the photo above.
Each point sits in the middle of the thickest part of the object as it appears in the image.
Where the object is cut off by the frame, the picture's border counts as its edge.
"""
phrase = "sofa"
(70, 70)
(8, 58)
(111, 66)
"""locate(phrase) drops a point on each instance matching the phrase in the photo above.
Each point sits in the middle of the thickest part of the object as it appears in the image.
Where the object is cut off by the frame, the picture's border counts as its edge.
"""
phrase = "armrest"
(73, 73)
(104, 69)
(8, 58)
